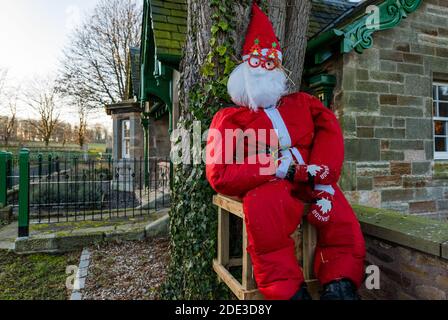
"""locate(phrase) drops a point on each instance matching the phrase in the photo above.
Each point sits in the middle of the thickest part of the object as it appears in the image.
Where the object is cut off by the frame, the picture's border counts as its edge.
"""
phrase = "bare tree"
(83, 111)
(8, 102)
(94, 64)
(11, 122)
(42, 99)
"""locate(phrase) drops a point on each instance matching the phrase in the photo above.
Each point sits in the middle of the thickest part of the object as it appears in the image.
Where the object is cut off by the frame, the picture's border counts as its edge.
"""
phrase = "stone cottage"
(388, 64)
(149, 113)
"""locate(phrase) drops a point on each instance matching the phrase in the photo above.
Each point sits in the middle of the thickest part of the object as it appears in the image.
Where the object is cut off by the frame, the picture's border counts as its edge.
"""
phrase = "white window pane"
(126, 129)
(125, 138)
(443, 93)
(434, 92)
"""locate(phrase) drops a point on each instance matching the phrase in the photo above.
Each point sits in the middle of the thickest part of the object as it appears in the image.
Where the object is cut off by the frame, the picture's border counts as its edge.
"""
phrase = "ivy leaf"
(221, 50)
(223, 25)
(230, 65)
(215, 29)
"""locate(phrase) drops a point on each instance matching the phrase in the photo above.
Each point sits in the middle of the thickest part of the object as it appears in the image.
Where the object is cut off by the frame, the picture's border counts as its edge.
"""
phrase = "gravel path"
(127, 271)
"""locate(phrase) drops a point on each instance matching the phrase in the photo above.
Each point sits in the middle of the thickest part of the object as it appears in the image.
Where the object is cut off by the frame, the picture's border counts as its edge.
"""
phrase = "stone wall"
(159, 138)
(410, 252)
(137, 137)
(405, 274)
(384, 101)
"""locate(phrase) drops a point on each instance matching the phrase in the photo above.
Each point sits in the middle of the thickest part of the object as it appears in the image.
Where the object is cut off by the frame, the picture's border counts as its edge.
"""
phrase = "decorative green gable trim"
(358, 36)
(355, 30)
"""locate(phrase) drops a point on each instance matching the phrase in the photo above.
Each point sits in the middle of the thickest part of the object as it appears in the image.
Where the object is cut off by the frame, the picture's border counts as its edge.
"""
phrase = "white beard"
(256, 87)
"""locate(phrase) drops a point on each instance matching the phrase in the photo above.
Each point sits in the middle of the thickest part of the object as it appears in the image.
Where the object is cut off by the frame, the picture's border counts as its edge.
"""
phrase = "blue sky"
(33, 33)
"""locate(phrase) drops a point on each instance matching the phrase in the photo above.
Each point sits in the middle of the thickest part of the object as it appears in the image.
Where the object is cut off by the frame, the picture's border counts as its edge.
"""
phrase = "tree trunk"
(193, 217)
(290, 19)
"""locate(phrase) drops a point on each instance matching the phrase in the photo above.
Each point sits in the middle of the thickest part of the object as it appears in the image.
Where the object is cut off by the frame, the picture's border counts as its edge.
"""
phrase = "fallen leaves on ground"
(127, 271)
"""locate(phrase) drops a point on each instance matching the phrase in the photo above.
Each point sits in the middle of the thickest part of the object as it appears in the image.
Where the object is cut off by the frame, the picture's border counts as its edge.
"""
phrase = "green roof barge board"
(326, 12)
(357, 33)
(133, 68)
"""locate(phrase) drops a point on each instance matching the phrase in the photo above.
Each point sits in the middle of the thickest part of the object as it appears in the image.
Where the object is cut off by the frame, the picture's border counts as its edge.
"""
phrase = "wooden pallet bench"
(305, 239)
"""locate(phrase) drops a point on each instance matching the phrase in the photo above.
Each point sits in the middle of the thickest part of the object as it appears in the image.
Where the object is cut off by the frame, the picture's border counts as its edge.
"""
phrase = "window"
(440, 113)
(322, 87)
(126, 139)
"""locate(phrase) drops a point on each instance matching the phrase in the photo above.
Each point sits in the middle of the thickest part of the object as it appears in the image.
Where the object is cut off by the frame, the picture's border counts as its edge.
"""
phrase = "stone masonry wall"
(405, 274)
(384, 102)
(159, 138)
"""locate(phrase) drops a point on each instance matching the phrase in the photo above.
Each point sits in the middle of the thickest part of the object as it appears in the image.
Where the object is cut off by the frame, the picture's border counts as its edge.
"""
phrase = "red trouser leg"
(340, 251)
(272, 216)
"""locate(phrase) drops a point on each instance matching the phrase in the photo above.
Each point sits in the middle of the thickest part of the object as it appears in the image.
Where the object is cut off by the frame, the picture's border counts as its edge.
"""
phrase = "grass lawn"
(35, 277)
(54, 147)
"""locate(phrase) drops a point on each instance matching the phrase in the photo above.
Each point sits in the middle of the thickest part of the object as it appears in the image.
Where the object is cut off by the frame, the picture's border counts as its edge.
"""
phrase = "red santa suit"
(308, 133)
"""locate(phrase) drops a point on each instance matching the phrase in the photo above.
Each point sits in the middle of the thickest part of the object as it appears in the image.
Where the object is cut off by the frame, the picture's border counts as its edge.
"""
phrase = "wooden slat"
(223, 236)
(234, 285)
(252, 295)
(236, 262)
(229, 204)
(248, 273)
(309, 247)
(314, 288)
(247, 290)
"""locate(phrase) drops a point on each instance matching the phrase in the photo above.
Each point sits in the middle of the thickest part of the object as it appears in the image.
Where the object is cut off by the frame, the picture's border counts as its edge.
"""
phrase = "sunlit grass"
(34, 277)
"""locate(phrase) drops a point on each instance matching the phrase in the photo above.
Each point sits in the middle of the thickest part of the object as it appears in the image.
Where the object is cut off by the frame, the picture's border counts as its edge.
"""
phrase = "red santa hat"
(260, 37)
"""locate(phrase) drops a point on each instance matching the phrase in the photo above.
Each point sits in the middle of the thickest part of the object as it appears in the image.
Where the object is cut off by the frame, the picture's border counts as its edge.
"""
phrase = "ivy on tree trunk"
(215, 37)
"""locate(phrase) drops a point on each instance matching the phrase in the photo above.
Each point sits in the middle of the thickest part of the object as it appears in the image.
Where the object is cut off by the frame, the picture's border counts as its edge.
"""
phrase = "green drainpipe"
(145, 124)
(3, 179)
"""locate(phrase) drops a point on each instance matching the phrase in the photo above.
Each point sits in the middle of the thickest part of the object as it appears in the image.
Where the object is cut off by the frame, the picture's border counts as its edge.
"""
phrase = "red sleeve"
(328, 145)
(224, 174)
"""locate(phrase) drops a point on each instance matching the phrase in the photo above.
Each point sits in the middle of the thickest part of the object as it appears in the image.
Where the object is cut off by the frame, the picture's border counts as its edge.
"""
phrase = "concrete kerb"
(81, 276)
(6, 214)
(60, 242)
(158, 228)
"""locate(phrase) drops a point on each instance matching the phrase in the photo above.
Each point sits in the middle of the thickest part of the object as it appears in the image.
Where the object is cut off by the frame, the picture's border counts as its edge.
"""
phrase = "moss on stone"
(420, 233)
(441, 170)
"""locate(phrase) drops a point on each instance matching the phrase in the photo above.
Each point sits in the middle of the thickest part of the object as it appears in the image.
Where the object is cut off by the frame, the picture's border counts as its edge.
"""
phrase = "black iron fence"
(80, 189)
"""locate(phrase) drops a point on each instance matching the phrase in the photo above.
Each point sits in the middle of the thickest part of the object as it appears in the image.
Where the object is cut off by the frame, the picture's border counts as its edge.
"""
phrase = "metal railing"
(49, 189)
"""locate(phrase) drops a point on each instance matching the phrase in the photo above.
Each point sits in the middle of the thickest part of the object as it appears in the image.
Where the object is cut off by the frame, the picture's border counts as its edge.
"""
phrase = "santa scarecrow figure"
(300, 163)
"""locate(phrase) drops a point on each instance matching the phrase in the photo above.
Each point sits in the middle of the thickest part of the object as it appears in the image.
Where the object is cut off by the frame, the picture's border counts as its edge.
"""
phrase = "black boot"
(340, 290)
(302, 294)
